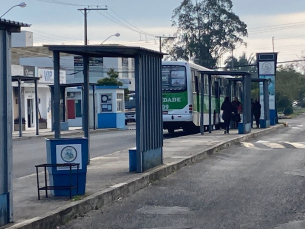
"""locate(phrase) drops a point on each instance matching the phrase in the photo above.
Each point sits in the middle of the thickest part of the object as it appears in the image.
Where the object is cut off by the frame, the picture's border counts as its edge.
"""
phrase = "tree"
(242, 64)
(290, 83)
(206, 30)
(112, 80)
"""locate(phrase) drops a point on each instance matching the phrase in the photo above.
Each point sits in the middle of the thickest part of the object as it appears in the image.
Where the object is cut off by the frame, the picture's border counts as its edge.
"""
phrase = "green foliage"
(112, 80)
(242, 64)
(112, 73)
(288, 110)
(109, 82)
(282, 102)
(206, 30)
(289, 86)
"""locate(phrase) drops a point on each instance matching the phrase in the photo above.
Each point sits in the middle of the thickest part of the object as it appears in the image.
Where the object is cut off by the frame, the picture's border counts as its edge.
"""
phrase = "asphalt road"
(28, 153)
(256, 184)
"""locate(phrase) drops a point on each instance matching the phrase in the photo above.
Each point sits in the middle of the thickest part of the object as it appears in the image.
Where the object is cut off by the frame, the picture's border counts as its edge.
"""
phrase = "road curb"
(95, 201)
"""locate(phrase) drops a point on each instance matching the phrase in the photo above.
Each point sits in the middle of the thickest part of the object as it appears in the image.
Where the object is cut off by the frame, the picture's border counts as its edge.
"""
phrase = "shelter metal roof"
(72, 84)
(103, 50)
(258, 80)
(24, 78)
(13, 26)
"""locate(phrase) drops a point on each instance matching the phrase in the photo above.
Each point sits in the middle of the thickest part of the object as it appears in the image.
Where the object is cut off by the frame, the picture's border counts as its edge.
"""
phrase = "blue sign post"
(266, 64)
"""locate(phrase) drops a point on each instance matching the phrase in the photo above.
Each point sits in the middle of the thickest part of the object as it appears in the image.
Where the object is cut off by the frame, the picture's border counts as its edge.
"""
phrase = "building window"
(124, 61)
(106, 103)
(120, 102)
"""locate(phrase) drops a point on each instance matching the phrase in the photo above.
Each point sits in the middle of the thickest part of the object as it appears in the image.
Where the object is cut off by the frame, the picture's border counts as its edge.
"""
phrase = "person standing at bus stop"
(257, 112)
(227, 109)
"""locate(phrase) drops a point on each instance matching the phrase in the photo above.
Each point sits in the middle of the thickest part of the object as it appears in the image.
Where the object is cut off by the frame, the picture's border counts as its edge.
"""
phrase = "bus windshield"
(173, 78)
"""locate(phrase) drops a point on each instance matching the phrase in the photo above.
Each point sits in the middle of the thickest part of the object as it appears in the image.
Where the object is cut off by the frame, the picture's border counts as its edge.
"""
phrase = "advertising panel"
(69, 154)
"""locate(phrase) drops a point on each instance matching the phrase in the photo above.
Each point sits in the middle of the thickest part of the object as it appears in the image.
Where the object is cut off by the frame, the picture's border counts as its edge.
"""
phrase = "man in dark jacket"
(227, 109)
(257, 112)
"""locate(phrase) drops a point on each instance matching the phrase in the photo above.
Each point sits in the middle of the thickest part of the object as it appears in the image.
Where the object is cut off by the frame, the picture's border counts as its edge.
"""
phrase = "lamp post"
(114, 35)
(22, 4)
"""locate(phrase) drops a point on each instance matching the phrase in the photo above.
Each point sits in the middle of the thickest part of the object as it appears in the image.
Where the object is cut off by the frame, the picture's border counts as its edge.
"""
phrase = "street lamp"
(114, 35)
(22, 4)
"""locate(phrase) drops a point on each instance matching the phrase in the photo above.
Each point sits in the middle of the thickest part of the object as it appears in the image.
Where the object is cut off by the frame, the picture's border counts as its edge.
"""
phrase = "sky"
(271, 24)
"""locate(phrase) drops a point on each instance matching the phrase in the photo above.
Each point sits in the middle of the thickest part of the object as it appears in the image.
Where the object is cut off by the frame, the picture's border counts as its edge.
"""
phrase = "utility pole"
(160, 44)
(273, 44)
(85, 21)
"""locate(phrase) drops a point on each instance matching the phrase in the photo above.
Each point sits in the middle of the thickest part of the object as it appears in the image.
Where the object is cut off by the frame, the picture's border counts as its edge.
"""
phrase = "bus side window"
(217, 89)
(196, 85)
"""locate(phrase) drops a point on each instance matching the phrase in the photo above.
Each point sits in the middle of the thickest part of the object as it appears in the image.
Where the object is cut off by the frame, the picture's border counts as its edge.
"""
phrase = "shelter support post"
(245, 126)
(210, 102)
(264, 99)
(56, 124)
(19, 108)
(94, 111)
(138, 120)
(86, 102)
(36, 109)
(63, 98)
(6, 160)
(201, 104)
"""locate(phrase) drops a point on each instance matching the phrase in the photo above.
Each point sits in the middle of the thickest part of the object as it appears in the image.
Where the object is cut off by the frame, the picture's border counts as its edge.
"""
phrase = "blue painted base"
(111, 120)
(244, 128)
(152, 158)
(272, 117)
(264, 123)
(4, 219)
(64, 180)
(132, 160)
(62, 177)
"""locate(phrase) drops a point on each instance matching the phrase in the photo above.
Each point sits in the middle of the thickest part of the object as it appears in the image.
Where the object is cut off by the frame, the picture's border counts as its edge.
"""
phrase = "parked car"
(130, 116)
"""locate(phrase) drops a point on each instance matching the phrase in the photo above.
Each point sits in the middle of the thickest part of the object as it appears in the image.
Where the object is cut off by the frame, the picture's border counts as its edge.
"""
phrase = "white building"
(25, 54)
(46, 78)
(39, 61)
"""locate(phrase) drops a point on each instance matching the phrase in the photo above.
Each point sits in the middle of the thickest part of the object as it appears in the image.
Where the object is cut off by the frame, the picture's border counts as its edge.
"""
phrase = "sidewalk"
(108, 178)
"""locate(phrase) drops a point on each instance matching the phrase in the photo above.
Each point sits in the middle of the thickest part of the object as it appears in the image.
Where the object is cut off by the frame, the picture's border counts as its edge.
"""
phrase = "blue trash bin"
(133, 159)
(67, 150)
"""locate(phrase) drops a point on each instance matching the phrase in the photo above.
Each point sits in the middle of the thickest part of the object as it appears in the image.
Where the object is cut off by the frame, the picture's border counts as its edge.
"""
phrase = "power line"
(131, 24)
(62, 3)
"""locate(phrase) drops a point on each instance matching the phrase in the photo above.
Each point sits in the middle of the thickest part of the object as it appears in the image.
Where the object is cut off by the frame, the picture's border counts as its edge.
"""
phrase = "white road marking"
(273, 145)
(296, 145)
(31, 175)
(249, 145)
(100, 158)
(261, 141)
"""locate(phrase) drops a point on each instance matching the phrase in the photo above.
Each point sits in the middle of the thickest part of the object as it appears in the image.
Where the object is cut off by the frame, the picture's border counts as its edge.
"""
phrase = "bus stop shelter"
(264, 100)
(148, 72)
(20, 79)
(245, 79)
(7, 27)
